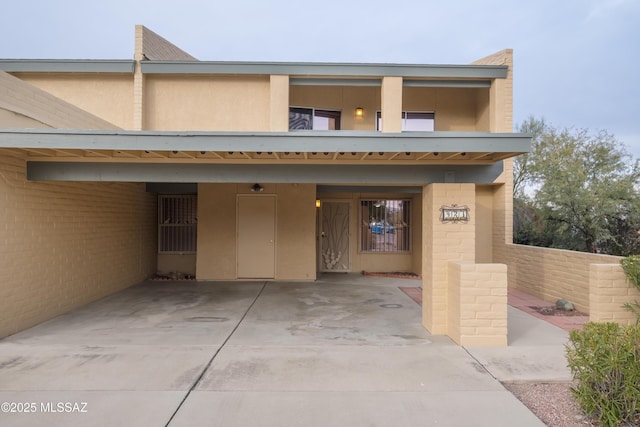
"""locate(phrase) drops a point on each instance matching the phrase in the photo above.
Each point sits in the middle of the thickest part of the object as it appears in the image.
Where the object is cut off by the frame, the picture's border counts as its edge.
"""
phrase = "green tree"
(580, 187)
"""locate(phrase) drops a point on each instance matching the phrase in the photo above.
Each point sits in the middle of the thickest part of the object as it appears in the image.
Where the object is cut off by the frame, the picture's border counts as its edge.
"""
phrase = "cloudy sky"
(576, 61)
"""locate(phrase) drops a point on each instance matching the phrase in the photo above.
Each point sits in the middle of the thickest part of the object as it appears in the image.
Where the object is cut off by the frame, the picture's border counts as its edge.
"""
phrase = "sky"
(576, 62)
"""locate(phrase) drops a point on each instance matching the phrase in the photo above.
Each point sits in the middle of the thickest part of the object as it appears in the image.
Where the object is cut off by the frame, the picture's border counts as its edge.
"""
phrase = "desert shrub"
(631, 267)
(604, 359)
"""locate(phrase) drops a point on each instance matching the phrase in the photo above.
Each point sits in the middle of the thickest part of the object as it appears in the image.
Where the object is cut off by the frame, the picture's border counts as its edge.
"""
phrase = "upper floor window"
(413, 121)
(313, 119)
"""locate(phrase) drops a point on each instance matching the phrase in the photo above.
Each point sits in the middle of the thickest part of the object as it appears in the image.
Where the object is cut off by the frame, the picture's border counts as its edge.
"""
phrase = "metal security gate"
(177, 224)
(334, 237)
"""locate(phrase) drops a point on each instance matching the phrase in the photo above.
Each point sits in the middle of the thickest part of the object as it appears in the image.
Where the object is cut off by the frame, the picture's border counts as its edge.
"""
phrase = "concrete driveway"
(346, 350)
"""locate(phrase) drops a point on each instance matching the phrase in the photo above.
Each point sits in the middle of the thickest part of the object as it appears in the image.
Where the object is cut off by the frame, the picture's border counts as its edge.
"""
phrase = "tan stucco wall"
(483, 122)
(279, 103)
(484, 223)
(10, 119)
(24, 105)
(216, 254)
(295, 230)
(391, 104)
(176, 263)
(220, 103)
(108, 96)
(67, 244)
(456, 109)
(340, 98)
(385, 262)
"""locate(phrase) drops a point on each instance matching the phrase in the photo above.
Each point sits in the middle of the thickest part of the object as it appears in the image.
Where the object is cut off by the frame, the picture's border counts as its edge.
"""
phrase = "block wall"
(478, 304)
(609, 291)
(552, 274)
(501, 92)
(63, 245)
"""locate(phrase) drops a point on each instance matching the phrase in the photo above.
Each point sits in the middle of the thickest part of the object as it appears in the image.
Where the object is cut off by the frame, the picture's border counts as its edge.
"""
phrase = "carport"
(257, 216)
(344, 350)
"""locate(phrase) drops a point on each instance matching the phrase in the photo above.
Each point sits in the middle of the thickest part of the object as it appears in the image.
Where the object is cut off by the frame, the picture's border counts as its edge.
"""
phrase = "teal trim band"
(67, 66)
(334, 82)
(326, 69)
(299, 141)
(447, 83)
(308, 174)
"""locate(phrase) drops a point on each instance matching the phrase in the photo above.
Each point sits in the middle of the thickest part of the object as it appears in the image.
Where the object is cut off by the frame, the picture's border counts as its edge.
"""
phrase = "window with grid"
(177, 224)
(385, 226)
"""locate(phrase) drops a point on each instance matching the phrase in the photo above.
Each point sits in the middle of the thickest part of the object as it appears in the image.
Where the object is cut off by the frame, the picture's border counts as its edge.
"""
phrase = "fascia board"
(301, 141)
(67, 66)
(326, 69)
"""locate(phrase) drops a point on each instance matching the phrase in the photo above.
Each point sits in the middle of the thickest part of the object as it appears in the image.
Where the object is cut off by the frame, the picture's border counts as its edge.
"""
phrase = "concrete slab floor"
(344, 350)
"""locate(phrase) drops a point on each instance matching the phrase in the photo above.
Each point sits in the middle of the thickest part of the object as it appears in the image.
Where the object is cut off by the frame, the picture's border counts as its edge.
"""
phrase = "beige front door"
(256, 236)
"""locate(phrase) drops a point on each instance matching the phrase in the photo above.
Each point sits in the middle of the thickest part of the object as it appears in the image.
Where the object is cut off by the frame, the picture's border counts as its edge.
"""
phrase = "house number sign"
(454, 214)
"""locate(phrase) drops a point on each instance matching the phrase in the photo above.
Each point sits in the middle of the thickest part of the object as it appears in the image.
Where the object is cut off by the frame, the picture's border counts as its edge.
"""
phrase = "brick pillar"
(478, 304)
(441, 243)
(138, 81)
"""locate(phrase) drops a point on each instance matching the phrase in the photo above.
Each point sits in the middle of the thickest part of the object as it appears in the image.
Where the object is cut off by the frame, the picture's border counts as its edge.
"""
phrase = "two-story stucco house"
(114, 170)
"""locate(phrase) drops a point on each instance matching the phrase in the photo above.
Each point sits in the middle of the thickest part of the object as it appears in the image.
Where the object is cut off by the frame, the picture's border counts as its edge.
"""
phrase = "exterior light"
(257, 188)
(317, 203)
(359, 113)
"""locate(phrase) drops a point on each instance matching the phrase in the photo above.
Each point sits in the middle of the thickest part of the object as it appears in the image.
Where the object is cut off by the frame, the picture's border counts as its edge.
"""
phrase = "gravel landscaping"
(553, 403)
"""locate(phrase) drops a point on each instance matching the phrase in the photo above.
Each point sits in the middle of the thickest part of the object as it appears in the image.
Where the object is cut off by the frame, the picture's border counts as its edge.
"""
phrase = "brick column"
(138, 81)
(441, 243)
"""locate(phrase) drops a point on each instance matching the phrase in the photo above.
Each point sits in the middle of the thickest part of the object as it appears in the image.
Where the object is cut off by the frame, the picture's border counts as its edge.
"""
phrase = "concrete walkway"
(346, 350)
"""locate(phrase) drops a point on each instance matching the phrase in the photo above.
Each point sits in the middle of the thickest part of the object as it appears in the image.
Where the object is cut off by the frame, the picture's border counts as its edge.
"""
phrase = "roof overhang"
(266, 147)
(303, 73)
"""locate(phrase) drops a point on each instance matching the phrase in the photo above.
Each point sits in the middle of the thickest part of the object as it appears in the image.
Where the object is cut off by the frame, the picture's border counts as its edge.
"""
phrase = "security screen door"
(334, 236)
(256, 237)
